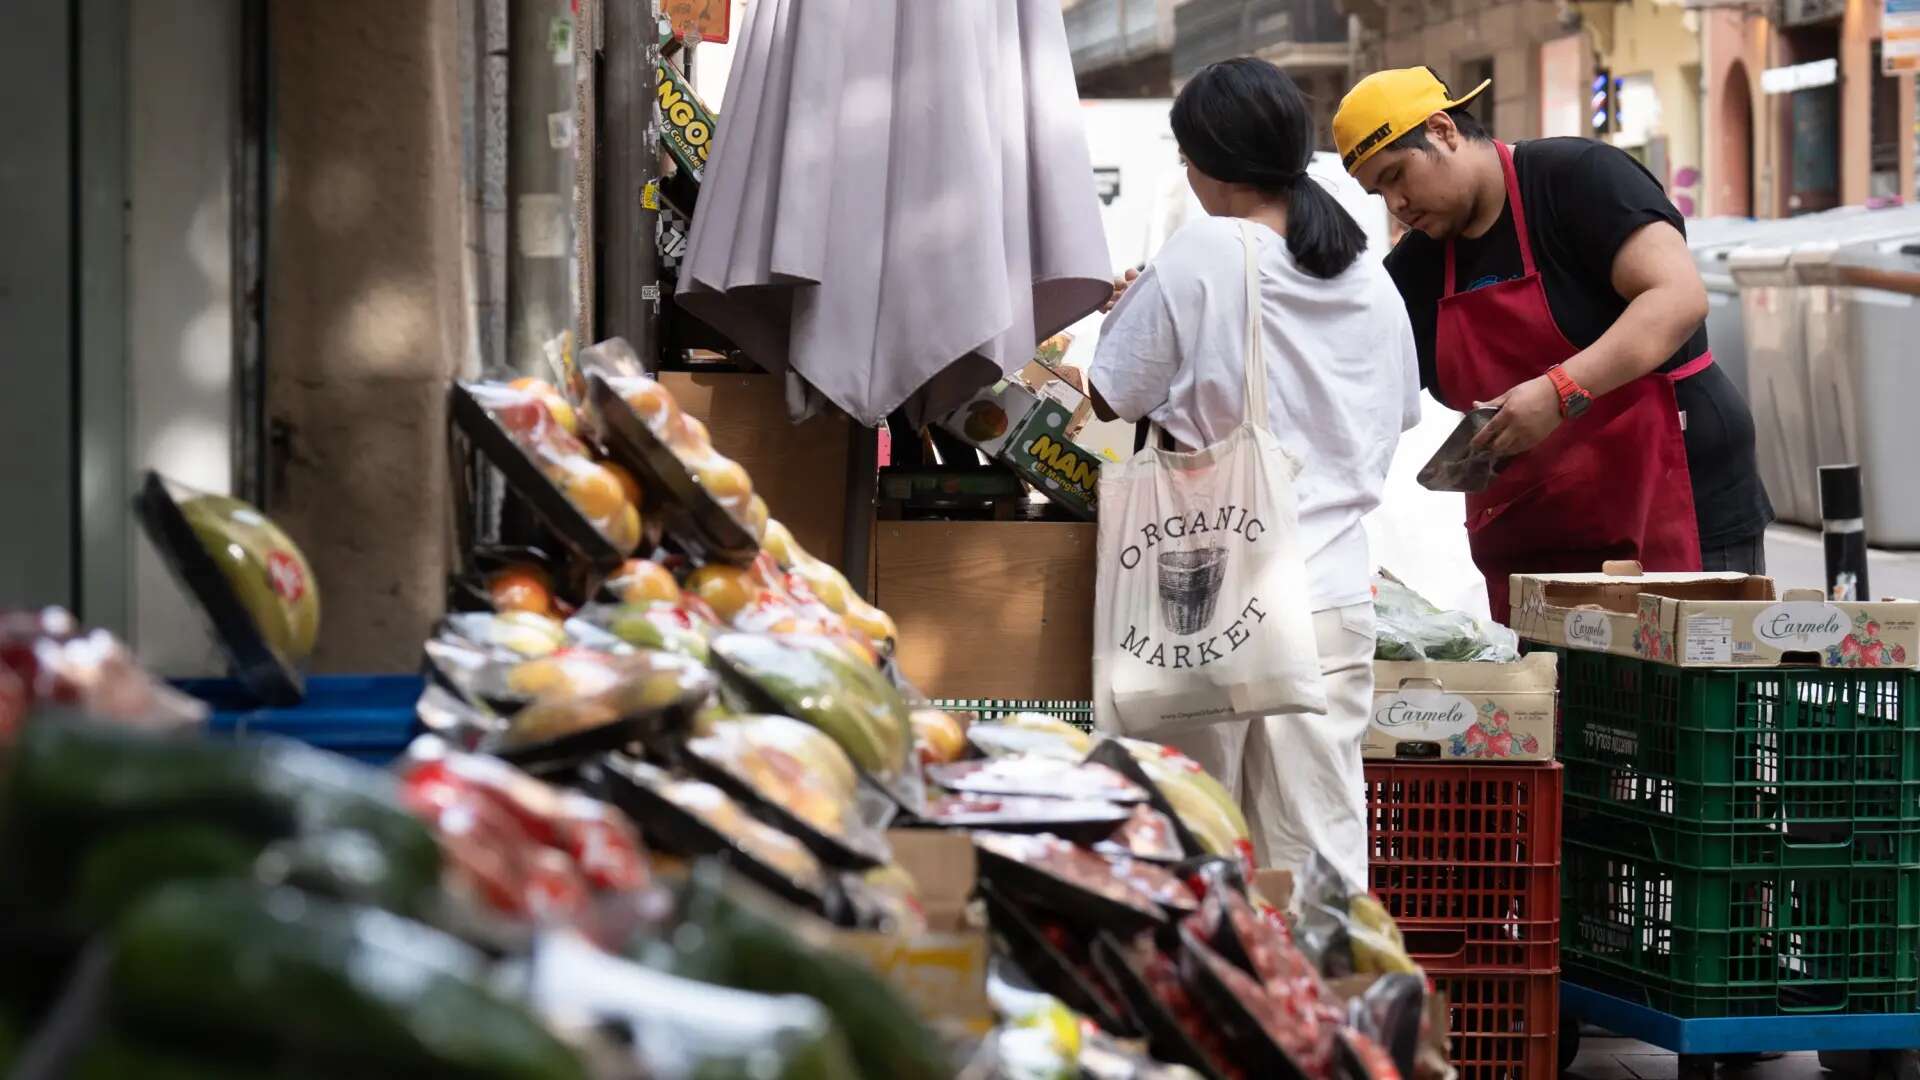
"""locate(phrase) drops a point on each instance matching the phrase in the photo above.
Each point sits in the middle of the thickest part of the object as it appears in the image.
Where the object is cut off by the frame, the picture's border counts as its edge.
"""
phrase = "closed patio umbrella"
(899, 203)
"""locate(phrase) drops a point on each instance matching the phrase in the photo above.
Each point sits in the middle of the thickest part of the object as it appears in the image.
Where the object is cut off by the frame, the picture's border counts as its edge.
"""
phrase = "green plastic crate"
(1741, 942)
(1791, 749)
(1077, 713)
(1749, 845)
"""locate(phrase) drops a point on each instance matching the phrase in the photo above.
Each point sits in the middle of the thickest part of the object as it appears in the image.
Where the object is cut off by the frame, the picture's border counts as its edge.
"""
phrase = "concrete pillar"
(366, 315)
(1857, 74)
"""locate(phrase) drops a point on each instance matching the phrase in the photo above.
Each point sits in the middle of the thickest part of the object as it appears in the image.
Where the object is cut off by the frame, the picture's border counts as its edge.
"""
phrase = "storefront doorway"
(1734, 161)
(1812, 122)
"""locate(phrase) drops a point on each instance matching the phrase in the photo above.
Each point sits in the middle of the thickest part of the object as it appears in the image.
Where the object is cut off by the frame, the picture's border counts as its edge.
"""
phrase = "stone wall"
(367, 311)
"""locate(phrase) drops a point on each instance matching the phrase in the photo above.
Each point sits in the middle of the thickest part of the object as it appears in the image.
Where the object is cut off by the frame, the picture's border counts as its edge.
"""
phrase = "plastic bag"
(1346, 934)
(665, 627)
(681, 1029)
(46, 657)
(539, 421)
(815, 680)
(693, 819)
(812, 806)
(1409, 627)
(493, 822)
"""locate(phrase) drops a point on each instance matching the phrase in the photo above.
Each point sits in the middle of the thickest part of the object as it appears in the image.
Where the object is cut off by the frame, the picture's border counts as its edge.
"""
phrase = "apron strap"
(1519, 219)
(1256, 368)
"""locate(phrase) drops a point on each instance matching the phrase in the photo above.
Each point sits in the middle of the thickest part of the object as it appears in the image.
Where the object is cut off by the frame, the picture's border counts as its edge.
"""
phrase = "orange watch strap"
(1564, 385)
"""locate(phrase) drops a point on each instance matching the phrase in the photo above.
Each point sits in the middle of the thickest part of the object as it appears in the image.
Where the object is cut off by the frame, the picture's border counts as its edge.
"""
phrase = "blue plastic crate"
(368, 718)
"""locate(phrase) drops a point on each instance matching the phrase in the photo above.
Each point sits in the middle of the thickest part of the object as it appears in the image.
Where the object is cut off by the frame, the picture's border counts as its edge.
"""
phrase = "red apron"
(1612, 484)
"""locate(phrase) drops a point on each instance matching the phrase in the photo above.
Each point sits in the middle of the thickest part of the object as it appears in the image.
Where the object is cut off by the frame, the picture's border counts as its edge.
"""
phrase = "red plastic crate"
(1503, 1025)
(1474, 918)
(1466, 858)
(1485, 815)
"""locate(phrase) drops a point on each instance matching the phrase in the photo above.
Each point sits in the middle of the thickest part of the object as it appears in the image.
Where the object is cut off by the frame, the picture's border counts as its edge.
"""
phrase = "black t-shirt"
(1583, 200)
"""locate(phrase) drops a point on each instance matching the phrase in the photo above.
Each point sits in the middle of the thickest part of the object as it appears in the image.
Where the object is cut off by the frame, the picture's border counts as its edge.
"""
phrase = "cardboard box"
(943, 971)
(1442, 711)
(1032, 432)
(1712, 620)
(993, 416)
(1044, 381)
(1275, 886)
(1048, 458)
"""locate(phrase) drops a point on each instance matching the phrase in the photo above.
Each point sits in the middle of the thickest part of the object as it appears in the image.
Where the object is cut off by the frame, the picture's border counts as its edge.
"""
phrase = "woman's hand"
(1119, 287)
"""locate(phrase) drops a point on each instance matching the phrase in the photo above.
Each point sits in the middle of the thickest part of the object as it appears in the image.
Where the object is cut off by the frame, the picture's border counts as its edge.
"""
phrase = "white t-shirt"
(1341, 374)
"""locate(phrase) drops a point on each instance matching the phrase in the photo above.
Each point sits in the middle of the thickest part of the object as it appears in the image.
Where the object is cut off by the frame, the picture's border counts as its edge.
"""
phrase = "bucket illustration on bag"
(1190, 587)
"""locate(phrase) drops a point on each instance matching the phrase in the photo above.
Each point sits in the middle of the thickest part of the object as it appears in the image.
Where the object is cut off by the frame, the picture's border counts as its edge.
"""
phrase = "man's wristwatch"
(1574, 398)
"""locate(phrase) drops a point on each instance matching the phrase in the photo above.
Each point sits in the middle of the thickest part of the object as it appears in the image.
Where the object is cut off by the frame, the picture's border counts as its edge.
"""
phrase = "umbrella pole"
(863, 488)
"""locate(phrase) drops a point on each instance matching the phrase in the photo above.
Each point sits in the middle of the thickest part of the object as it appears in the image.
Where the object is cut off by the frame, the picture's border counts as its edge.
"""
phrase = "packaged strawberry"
(1177, 1027)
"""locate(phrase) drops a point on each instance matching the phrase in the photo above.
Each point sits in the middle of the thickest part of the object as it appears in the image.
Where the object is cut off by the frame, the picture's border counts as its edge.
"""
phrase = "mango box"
(1047, 457)
(993, 416)
(1713, 620)
(943, 971)
(687, 125)
(1446, 711)
(1043, 380)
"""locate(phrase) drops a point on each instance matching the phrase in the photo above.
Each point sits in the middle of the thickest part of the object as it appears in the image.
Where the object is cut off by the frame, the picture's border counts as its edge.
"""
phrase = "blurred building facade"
(1149, 48)
(1762, 108)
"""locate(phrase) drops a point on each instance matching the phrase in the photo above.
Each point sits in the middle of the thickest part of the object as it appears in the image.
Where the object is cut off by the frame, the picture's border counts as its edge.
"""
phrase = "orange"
(624, 529)
(521, 588)
(643, 582)
(689, 438)
(557, 405)
(652, 403)
(593, 489)
(725, 480)
(628, 485)
(726, 589)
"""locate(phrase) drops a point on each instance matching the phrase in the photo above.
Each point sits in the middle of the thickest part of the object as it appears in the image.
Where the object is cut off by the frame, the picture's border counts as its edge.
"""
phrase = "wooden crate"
(990, 609)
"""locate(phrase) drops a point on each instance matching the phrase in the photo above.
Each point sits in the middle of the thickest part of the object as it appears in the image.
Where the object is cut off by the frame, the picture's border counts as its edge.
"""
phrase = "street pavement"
(1796, 559)
(1605, 1057)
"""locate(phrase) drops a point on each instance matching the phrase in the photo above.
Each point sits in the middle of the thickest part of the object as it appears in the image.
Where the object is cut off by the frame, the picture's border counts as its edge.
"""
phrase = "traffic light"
(1604, 104)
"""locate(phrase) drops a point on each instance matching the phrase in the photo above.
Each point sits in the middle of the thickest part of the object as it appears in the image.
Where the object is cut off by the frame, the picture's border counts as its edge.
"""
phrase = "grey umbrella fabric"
(900, 203)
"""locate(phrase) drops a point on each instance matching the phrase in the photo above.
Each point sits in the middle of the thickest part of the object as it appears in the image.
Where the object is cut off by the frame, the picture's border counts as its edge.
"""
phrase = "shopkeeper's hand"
(1528, 414)
(1119, 287)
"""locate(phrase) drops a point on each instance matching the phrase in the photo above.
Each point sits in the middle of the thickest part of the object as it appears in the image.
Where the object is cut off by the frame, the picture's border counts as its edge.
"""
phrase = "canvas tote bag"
(1202, 613)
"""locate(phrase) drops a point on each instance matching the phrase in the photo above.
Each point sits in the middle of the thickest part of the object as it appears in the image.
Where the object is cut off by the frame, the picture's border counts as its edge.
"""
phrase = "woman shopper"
(1342, 383)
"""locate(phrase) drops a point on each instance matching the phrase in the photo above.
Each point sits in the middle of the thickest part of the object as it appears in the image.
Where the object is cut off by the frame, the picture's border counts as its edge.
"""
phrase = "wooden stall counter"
(991, 609)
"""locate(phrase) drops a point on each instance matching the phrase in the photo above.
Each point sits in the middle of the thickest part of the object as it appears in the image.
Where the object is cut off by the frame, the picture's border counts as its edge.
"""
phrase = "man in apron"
(1553, 279)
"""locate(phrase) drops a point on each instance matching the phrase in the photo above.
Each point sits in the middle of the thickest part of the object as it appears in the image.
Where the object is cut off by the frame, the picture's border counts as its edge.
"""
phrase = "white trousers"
(1298, 778)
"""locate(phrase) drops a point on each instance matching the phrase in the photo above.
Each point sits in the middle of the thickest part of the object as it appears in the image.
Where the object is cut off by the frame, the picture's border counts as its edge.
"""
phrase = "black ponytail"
(1244, 121)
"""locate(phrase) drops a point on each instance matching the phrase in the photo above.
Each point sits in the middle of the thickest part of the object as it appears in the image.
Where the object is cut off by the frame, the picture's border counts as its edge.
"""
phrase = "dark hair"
(1470, 129)
(1245, 122)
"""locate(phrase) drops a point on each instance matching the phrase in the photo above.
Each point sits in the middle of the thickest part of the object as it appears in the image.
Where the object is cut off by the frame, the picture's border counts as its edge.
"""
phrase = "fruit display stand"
(1743, 859)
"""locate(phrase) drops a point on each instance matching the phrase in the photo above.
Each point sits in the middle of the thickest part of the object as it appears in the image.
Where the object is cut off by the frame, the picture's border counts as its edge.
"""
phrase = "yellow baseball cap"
(1386, 105)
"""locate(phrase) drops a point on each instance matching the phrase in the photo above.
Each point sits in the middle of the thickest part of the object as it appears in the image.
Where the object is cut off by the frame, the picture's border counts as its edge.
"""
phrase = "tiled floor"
(1607, 1058)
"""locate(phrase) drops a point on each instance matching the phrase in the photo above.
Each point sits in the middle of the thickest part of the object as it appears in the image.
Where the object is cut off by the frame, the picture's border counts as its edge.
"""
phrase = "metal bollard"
(1843, 527)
